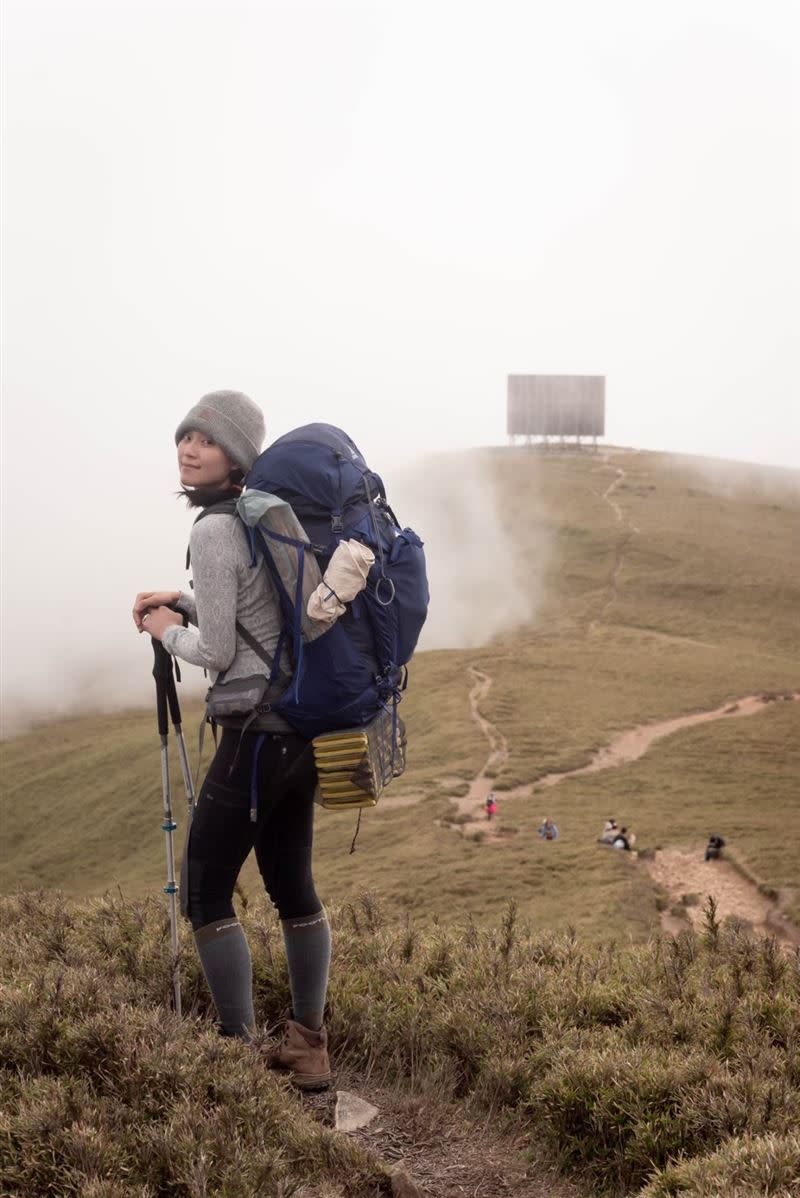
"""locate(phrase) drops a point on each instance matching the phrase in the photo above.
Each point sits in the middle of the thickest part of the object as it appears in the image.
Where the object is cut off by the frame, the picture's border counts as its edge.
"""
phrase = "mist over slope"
(77, 650)
(481, 586)
(496, 528)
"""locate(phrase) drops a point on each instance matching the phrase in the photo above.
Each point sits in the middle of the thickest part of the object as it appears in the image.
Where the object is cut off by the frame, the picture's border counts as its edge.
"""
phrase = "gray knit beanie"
(232, 420)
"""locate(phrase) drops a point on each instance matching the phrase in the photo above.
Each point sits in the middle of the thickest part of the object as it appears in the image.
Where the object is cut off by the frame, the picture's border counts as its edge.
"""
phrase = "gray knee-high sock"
(225, 957)
(307, 940)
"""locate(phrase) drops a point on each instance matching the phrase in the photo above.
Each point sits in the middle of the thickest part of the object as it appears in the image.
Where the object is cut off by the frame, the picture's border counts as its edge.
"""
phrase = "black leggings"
(222, 833)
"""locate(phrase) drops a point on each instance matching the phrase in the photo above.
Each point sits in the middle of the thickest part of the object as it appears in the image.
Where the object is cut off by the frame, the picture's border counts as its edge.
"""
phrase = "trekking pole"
(167, 696)
(175, 714)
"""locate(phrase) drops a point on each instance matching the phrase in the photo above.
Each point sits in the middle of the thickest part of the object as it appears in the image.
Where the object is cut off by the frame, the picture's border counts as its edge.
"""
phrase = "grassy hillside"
(666, 590)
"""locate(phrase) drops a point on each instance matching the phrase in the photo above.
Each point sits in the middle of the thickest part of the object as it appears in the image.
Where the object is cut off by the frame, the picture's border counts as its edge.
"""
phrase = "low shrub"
(633, 1067)
(105, 1092)
(508, 830)
(748, 1167)
(458, 790)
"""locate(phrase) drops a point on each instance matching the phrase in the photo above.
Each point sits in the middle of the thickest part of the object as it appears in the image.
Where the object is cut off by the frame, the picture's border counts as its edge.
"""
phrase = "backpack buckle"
(337, 524)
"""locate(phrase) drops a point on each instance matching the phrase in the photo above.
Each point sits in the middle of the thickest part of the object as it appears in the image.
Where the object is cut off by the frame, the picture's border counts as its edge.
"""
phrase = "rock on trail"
(352, 1112)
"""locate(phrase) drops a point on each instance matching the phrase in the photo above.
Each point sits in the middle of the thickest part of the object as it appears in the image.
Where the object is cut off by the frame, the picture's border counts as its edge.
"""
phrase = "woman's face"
(201, 462)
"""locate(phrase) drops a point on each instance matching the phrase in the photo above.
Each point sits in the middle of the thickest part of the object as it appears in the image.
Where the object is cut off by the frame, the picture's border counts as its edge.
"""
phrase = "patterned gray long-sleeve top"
(226, 589)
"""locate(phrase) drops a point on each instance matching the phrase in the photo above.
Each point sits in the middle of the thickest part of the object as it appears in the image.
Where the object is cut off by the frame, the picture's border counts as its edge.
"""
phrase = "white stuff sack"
(345, 577)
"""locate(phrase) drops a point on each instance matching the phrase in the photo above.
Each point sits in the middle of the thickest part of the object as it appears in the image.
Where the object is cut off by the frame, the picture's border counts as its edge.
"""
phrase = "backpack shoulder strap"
(225, 507)
(250, 640)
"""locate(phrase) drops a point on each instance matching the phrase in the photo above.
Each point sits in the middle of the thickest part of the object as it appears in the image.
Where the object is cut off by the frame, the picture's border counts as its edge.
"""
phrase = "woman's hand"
(158, 621)
(148, 600)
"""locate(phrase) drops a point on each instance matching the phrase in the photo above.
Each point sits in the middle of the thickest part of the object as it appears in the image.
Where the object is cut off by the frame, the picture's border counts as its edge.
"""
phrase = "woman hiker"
(218, 441)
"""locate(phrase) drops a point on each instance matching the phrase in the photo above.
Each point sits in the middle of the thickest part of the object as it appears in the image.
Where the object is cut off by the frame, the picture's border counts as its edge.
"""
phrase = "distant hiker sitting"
(624, 839)
(547, 830)
(259, 790)
(610, 831)
(491, 806)
(714, 848)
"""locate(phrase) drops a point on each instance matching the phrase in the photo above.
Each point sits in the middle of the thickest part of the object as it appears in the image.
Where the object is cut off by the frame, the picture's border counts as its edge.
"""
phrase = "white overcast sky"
(371, 213)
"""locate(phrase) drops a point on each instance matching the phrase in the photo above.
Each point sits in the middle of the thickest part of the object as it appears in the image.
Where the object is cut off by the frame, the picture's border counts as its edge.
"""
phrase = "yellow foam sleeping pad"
(354, 765)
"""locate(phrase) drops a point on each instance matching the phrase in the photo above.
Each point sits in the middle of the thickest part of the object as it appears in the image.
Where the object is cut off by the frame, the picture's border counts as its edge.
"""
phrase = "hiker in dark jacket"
(218, 441)
(624, 839)
(714, 848)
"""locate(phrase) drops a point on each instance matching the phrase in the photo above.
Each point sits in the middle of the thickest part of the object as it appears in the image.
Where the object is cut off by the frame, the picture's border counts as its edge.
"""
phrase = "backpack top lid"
(321, 472)
(318, 463)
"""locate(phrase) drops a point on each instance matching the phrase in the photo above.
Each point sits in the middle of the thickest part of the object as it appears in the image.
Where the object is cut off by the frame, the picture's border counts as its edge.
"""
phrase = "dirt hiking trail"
(444, 1151)
(677, 871)
(633, 744)
(628, 531)
(627, 746)
(682, 875)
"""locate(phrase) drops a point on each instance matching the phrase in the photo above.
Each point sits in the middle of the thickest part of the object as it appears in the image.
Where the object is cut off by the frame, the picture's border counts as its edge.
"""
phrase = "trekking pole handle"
(172, 690)
(162, 672)
(166, 691)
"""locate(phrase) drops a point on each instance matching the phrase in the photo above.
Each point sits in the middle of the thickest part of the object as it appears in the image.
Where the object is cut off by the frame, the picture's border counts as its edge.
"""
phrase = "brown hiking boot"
(304, 1054)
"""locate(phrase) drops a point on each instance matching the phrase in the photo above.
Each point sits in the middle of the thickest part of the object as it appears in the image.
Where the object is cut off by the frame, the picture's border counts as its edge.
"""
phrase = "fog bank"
(478, 585)
(70, 646)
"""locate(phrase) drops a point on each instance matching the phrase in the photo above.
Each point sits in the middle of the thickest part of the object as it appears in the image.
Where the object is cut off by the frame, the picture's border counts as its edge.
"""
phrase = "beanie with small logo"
(232, 420)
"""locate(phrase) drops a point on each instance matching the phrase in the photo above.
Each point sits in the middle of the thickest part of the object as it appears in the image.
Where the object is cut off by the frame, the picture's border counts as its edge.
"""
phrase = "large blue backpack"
(342, 678)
